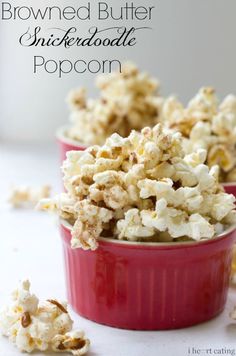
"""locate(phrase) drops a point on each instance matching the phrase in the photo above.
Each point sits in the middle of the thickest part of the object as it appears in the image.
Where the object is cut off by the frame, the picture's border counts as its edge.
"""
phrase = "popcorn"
(28, 197)
(131, 227)
(231, 176)
(142, 188)
(89, 225)
(62, 204)
(204, 104)
(108, 188)
(177, 222)
(127, 101)
(233, 314)
(207, 125)
(73, 342)
(31, 325)
(77, 99)
(218, 154)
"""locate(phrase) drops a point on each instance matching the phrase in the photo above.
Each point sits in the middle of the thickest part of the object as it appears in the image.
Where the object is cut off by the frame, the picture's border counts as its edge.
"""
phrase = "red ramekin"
(148, 286)
(230, 188)
(66, 144)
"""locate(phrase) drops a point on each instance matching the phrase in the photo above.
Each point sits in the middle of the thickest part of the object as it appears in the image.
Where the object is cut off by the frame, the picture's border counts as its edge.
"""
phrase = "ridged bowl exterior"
(149, 287)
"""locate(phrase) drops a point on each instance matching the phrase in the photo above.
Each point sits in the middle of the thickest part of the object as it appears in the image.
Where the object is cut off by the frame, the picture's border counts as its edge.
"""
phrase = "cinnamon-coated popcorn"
(142, 188)
(128, 100)
(73, 342)
(205, 124)
(31, 325)
(91, 221)
(28, 197)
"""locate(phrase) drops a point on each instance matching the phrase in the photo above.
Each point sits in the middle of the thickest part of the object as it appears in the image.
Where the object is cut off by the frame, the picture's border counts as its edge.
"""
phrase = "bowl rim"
(219, 237)
(61, 136)
(229, 184)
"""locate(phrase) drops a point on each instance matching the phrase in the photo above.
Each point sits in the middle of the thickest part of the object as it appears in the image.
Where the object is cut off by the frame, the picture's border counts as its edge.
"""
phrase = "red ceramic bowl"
(149, 286)
(66, 144)
(230, 188)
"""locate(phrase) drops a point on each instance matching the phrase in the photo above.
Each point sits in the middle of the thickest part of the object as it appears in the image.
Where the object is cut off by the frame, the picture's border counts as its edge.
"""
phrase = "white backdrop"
(192, 44)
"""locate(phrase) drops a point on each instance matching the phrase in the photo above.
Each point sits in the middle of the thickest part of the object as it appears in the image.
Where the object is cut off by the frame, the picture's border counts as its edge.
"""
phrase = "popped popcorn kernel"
(73, 342)
(32, 325)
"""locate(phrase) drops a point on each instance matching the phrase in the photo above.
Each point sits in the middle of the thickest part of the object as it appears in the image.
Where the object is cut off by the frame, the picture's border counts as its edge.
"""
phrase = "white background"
(192, 44)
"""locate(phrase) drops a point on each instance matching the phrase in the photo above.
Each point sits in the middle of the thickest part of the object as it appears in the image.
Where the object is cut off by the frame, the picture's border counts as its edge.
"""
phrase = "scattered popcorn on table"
(127, 101)
(31, 325)
(142, 188)
(26, 197)
(73, 341)
(206, 124)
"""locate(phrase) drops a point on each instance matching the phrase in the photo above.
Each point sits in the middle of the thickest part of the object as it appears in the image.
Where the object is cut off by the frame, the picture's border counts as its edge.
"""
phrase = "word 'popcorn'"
(141, 188)
(127, 101)
(31, 325)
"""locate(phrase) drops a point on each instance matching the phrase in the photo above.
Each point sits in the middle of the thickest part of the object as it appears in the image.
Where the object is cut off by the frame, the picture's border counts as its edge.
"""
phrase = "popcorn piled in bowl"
(206, 124)
(142, 188)
(46, 326)
(128, 100)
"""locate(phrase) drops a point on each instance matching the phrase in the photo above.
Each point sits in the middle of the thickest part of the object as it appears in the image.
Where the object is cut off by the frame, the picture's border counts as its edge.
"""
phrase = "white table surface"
(30, 248)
